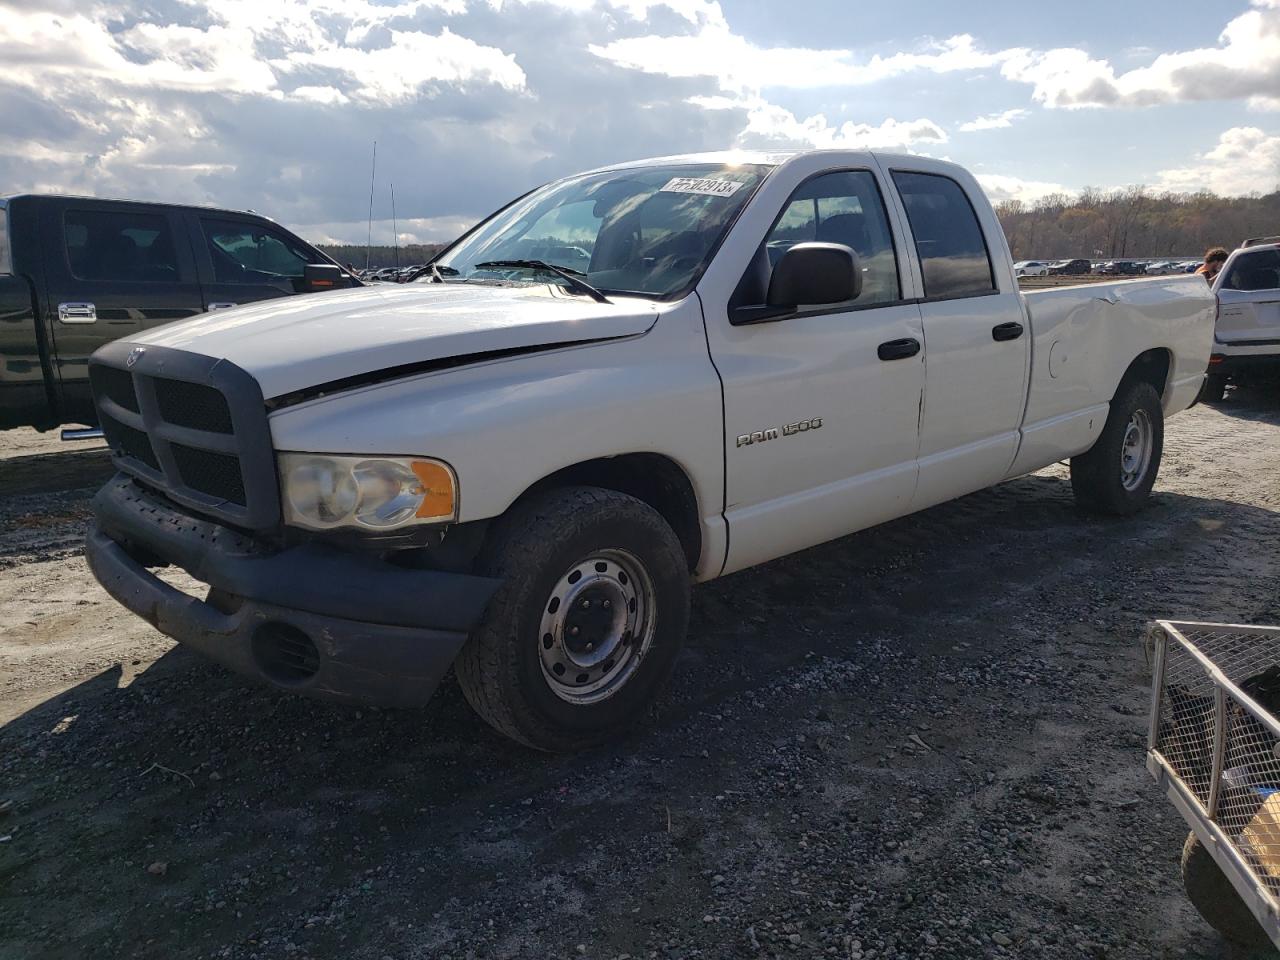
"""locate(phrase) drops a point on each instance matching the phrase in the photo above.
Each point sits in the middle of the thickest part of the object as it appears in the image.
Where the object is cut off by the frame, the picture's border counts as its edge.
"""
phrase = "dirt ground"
(925, 740)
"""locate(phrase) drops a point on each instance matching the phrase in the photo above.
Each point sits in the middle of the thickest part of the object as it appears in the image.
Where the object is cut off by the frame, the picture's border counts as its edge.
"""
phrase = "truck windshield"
(643, 230)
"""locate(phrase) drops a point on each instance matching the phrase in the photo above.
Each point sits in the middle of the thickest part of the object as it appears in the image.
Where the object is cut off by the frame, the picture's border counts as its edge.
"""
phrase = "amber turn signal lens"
(437, 489)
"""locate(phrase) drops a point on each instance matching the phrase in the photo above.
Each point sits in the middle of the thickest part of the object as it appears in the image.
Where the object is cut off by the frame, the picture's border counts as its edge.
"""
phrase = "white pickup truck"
(621, 383)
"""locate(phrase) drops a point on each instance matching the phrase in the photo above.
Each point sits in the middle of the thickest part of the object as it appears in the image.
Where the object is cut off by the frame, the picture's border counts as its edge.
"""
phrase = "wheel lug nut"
(573, 631)
(586, 604)
(606, 604)
(590, 647)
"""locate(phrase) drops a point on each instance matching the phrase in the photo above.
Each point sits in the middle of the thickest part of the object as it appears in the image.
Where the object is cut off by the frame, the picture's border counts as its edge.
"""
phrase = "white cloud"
(736, 64)
(999, 187)
(994, 121)
(1244, 64)
(772, 126)
(1245, 160)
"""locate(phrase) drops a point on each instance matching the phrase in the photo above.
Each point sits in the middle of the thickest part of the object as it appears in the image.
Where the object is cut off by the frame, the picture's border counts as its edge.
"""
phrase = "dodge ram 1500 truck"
(77, 272)
(619, 384)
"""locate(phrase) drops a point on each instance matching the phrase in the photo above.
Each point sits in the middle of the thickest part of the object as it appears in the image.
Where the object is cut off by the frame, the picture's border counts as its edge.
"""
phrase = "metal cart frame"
(1204, 731)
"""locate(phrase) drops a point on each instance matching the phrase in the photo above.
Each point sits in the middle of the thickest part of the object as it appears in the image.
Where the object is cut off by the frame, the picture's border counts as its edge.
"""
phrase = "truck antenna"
(368, 240)
(395, 231)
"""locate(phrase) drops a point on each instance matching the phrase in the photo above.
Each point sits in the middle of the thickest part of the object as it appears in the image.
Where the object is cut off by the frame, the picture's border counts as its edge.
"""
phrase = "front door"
(244, 260)
(977, 347)
(821, 409)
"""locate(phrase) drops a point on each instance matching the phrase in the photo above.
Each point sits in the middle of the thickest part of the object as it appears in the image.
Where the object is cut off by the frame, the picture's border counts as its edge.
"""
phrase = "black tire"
(1097, 477)
(1215, 899)
(533, 549)
(1213, 389)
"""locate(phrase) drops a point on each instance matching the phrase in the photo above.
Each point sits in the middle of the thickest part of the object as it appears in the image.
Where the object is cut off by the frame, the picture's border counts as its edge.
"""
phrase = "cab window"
(844, 208)
(250, 253)
(1254, 271)
(119, 245)
(949, 241)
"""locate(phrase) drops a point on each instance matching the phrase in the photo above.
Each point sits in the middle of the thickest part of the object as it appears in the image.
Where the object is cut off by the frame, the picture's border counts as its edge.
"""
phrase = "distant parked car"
(1123, 268)
(1031, 268)
(1160, 268)
(1069, 268)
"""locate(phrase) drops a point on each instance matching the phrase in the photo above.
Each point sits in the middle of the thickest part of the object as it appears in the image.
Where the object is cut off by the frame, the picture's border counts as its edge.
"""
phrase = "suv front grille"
(191, 427)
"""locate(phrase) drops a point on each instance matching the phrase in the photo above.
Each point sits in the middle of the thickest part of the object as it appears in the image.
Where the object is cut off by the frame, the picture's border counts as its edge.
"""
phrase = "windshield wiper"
(571, 277)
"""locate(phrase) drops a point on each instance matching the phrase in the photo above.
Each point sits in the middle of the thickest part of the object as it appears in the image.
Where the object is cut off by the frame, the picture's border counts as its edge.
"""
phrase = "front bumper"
(312, 619)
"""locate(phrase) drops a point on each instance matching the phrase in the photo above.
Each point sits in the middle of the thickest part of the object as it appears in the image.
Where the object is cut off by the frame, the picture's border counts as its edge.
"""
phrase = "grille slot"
(193, 405)
(115, 384)
(215, 474)
(130, 442)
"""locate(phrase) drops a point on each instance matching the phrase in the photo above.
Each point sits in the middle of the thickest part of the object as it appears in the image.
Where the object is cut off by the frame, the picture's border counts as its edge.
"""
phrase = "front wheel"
(587, 624)
(1118, 472)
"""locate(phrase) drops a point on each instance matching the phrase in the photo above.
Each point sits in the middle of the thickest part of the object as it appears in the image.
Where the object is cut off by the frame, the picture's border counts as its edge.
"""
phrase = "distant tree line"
(381, 256)
(1134, 222)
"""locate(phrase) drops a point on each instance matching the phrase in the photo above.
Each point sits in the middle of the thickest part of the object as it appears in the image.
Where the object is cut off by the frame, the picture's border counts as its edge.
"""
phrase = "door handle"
(1006, 331)
(898, 349)
(221, 306)
(77, 313)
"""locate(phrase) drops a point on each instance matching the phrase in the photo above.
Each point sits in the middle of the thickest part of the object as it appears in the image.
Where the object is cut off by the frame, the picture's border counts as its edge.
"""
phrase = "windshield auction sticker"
(705, 185)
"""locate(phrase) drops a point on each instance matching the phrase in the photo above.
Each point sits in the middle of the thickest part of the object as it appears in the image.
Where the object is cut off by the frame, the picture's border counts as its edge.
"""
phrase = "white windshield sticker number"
(706, 186)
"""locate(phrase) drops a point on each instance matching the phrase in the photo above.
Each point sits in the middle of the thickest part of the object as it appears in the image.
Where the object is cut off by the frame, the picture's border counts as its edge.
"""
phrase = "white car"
(1031, 268)
(1247, 335)
(518, 469)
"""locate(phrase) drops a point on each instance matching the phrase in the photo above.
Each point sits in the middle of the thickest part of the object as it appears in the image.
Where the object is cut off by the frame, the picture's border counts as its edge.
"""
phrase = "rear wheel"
(594, 606)
(1215, 899)
(1118, 472)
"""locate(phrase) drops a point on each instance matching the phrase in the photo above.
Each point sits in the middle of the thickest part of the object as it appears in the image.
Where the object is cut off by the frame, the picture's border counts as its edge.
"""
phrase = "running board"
(83, 433)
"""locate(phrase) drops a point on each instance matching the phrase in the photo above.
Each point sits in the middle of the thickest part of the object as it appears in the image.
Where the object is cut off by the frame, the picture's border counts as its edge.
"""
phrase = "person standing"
(1214, 258)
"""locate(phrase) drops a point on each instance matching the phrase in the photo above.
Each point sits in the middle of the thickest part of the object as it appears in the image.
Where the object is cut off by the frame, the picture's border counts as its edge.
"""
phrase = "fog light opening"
(285, 654)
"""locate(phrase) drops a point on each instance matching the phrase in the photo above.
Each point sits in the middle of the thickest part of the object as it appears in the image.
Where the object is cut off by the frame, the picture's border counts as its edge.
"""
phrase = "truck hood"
(295, 343)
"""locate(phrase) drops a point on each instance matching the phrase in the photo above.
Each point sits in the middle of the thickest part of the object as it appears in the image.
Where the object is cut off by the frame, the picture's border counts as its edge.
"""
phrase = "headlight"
(372, 493)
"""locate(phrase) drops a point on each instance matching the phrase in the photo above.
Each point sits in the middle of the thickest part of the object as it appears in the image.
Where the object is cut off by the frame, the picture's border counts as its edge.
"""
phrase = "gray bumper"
(311, 619)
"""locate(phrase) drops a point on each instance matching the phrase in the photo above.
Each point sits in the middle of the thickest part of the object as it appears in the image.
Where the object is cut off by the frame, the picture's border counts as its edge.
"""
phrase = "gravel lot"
(922, 741)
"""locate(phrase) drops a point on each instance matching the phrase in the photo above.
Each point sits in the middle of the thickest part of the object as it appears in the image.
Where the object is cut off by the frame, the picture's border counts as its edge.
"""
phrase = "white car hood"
(294, 343)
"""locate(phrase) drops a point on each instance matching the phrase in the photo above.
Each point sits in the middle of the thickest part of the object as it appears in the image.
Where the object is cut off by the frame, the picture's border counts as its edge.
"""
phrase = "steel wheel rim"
(1135, 450)
(597, 626)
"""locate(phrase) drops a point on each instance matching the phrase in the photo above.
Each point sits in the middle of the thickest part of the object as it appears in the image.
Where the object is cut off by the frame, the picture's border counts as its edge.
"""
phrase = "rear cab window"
(954, 259)
(120, 246)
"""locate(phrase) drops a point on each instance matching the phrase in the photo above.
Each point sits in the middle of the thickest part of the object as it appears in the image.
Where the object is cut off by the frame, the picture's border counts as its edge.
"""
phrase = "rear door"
(1249, 300)
(112, 270)
(243, 259)
(977, 349)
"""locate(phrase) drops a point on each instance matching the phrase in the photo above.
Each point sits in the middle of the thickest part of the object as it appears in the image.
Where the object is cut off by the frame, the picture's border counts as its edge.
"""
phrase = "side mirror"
(808, 274)
(322, 276)
(814, 273)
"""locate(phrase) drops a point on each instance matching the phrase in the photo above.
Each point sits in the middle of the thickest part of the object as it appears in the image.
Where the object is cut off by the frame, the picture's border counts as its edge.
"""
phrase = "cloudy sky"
(274, 104)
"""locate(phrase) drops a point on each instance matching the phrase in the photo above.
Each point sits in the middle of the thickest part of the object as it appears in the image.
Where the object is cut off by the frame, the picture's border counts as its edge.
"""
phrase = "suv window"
(953, 253)
(1254, 271)
(120, 245)
(251, 253)
(845, 208)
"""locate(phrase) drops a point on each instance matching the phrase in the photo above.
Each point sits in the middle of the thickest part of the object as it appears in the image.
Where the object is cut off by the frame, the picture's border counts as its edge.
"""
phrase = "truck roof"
(775, 158)
(9, 198)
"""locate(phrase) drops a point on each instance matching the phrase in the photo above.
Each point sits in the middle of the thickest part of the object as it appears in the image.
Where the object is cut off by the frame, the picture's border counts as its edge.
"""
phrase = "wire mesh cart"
(1214, 748)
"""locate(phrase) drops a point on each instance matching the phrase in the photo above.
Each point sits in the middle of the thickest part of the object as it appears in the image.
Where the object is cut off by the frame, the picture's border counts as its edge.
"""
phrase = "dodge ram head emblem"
(134, 356)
